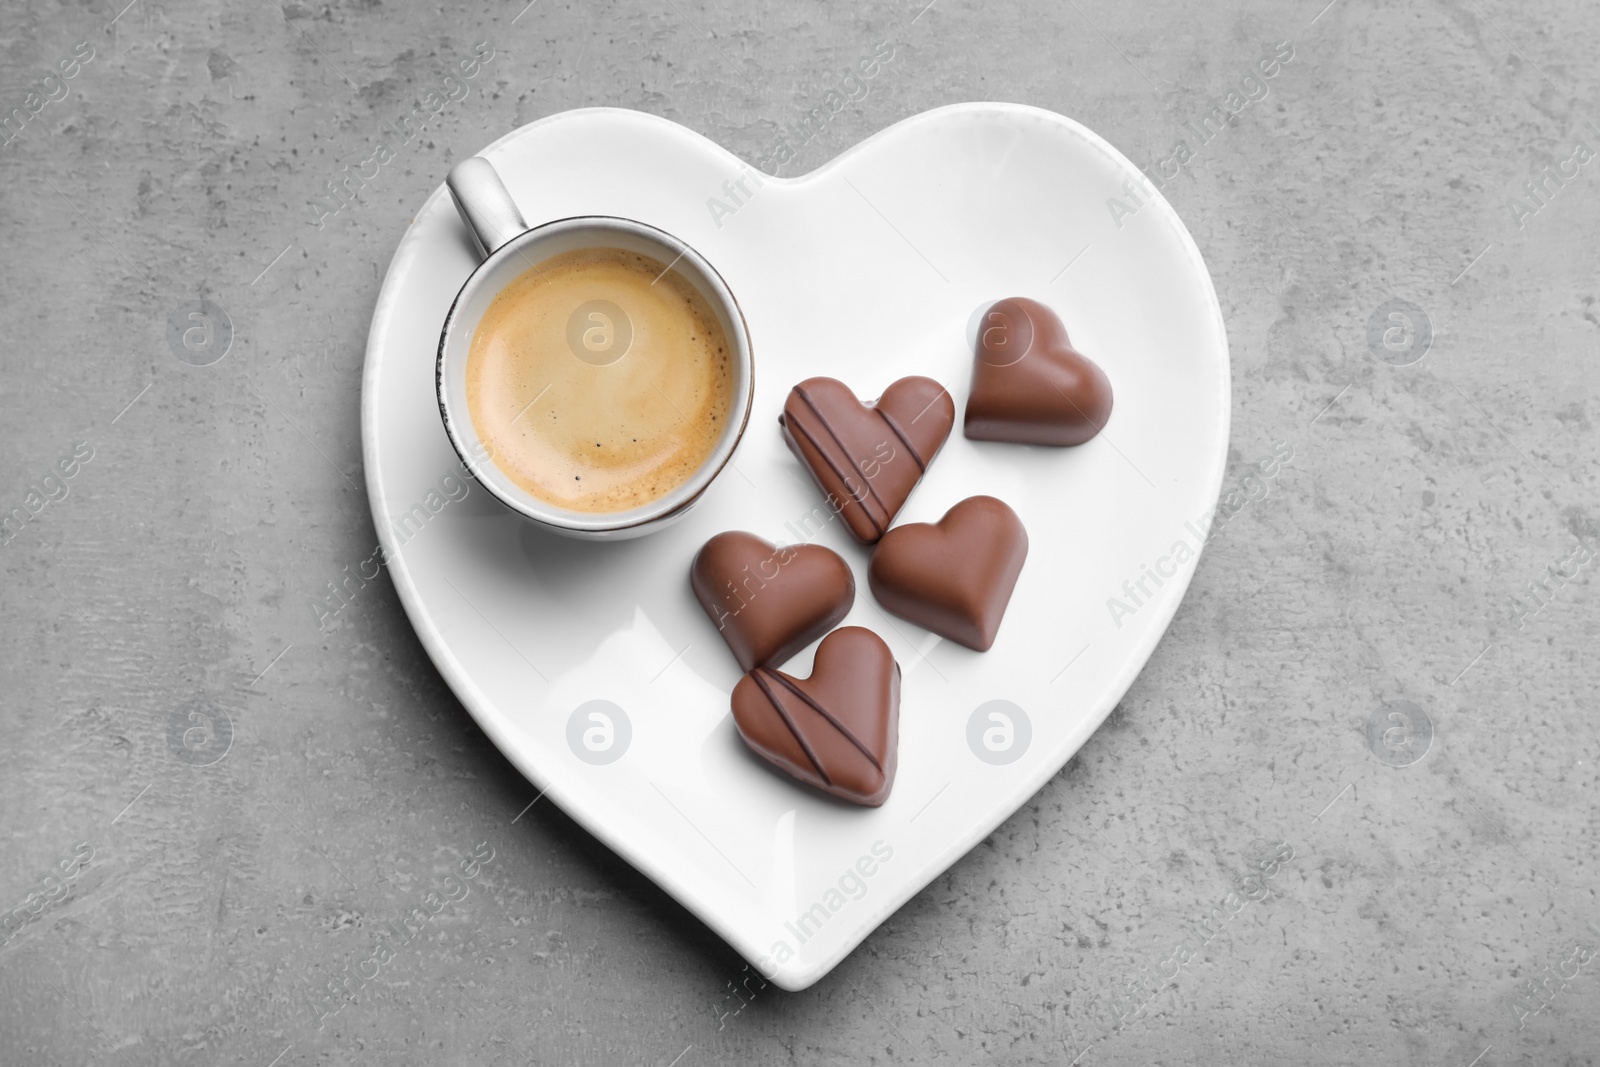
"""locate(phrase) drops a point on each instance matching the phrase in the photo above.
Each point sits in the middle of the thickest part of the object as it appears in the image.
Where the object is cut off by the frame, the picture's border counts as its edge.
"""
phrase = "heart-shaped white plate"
(867, 270)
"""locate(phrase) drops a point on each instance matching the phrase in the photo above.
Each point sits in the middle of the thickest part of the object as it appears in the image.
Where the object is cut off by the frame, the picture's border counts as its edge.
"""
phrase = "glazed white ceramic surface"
(868, 269)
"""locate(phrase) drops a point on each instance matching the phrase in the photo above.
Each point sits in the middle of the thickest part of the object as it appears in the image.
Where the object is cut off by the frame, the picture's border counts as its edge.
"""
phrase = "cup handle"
(485, 206)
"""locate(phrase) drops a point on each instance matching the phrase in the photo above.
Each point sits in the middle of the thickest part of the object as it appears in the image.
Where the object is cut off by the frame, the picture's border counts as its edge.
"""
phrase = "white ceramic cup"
(510, 247)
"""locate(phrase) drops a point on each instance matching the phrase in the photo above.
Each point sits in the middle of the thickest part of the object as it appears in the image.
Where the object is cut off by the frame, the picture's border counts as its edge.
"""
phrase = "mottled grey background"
(1428, 909)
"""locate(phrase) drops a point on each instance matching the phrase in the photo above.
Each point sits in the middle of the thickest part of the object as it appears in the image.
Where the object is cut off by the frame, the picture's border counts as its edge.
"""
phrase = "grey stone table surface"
(1371, 720)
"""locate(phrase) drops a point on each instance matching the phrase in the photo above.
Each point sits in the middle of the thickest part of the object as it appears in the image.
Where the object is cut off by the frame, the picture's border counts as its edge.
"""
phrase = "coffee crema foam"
(599, 381)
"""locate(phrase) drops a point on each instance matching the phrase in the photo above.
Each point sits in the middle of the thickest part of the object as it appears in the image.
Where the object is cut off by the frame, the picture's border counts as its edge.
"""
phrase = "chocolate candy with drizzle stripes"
(866, 458)
(837, 730)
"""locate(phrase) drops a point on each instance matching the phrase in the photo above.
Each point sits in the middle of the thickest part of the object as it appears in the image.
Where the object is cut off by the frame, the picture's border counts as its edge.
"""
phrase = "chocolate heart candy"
(836, 730)
(954, 576)
(867, 458)
(1029, 385)
(769, 602)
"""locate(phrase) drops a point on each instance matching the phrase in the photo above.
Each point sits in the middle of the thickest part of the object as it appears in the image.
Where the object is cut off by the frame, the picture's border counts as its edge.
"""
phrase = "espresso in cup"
(601, 362)
(600, 380)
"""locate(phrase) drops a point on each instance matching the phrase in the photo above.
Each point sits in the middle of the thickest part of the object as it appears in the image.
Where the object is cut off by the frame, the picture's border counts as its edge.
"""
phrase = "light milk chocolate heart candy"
(866, 458)
(837, 730)
(954, 576)
(768, 602)
(1029, 385)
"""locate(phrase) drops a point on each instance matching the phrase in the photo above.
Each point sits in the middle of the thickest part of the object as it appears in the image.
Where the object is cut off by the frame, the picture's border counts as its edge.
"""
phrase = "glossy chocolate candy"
(866, 458)
(1029, 385)
(769, 602)
(955, 576)
(837, 730)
